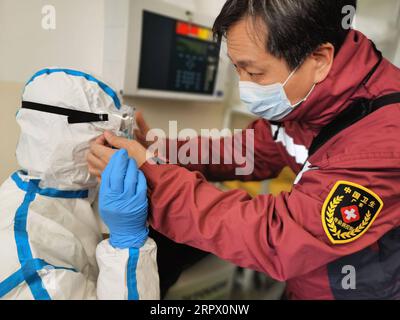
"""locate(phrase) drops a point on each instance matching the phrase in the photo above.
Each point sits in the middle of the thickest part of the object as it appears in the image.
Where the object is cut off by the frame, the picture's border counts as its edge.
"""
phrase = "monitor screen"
(177, 56)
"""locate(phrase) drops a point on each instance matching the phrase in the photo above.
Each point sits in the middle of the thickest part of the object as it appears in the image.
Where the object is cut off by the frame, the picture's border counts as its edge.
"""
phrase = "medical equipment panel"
(172, 54)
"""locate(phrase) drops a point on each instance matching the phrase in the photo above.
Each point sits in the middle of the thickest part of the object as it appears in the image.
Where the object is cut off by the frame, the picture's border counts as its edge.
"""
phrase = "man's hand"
(101, 152)
(142, 130)
(97, 164)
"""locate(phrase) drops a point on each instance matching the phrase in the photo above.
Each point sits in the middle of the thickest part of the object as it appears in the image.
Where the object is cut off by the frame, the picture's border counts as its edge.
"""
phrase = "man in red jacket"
(317, 88)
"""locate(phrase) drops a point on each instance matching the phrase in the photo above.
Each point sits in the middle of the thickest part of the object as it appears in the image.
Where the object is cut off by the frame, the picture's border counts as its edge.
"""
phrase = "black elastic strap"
(357, 111)
(385, 100)
(74, 116)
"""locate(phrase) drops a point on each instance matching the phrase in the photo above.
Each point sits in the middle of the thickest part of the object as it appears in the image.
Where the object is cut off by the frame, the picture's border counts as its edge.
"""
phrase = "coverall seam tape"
(48, 192)
(133, 293)
(29, 265)
(30, 275)
(14, 280)
(106, 89)
(11, 282)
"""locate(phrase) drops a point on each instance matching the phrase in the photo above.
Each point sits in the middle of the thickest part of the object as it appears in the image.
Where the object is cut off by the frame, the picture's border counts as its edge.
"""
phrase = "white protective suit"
(50, 237)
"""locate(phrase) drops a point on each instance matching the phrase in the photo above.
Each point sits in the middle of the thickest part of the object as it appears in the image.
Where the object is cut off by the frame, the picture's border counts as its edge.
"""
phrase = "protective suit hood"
(50, 148)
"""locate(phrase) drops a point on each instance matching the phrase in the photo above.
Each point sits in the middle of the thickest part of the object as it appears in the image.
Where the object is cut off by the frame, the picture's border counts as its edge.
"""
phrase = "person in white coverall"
(50, 236)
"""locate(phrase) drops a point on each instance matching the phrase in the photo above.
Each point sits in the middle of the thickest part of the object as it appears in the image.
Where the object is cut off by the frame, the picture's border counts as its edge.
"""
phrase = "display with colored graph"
(177, 56)
(194, 31)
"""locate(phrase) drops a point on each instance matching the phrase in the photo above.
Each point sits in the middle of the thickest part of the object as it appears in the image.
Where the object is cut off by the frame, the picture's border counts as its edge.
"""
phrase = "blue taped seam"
(31, 276)
(110, 92)
(133, 293)
(18, 277)
(53, 193)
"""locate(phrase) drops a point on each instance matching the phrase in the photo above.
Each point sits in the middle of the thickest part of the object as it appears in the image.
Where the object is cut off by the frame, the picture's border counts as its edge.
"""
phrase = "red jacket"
(291, 237)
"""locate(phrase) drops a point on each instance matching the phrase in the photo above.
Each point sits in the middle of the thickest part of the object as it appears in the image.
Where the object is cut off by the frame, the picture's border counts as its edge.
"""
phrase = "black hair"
(295, 28)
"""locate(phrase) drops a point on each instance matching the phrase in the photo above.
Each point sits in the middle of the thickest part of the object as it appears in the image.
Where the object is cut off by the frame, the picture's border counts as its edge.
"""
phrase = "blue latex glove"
(123, 202)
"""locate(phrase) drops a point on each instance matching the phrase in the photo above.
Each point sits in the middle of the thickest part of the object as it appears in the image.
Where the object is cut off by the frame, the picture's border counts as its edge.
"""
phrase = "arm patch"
(349, 211)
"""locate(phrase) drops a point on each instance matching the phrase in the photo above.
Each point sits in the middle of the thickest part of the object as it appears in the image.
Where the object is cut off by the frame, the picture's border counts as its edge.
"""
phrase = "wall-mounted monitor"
(172, 54)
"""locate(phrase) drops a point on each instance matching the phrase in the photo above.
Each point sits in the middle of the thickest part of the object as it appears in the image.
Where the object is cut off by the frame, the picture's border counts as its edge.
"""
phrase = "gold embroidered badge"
(349, 211)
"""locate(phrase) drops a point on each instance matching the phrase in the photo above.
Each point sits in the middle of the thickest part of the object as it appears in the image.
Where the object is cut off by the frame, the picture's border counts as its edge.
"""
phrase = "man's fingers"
(135, 149)
(139, 134)
(105, 177)
(101, 140)
(101, 152)
(141, 123)
(117, 142)
(119, 166)
(96, 163)
(95, 173)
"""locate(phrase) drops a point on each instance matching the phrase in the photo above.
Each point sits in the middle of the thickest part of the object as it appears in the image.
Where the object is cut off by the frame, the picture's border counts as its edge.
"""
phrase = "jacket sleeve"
(128, 274)
(226, 159)
(282, 236)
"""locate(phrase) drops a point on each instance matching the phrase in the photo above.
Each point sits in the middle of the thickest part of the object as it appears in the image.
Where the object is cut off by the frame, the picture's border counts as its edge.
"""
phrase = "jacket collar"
(352, 65)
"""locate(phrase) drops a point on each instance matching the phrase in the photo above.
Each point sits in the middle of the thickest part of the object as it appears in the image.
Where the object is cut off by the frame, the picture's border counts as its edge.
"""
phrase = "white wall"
(397, 58)
(199, 6)
(25, 47)
(115, 41)
(379, 20)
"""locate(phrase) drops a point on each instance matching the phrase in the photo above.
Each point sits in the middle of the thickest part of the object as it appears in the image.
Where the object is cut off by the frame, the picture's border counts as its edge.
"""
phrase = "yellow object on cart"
(283, 183)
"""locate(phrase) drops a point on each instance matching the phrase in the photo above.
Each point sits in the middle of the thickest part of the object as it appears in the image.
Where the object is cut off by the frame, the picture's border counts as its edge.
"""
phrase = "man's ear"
(323, 60)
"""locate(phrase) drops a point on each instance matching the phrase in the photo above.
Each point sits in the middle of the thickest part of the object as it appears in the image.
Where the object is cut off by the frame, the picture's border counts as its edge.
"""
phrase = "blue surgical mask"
(269, 102)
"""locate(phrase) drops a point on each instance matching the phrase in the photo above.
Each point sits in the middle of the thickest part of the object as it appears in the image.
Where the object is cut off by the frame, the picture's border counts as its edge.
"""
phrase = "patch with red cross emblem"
(350, 214)
(349, 211)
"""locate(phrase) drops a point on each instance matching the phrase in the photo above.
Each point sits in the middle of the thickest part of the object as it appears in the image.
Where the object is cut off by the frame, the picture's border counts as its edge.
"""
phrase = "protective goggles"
(127, 118)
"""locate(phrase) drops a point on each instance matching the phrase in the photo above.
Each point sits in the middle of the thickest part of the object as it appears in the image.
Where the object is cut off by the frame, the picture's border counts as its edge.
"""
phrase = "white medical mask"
(270, 101)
